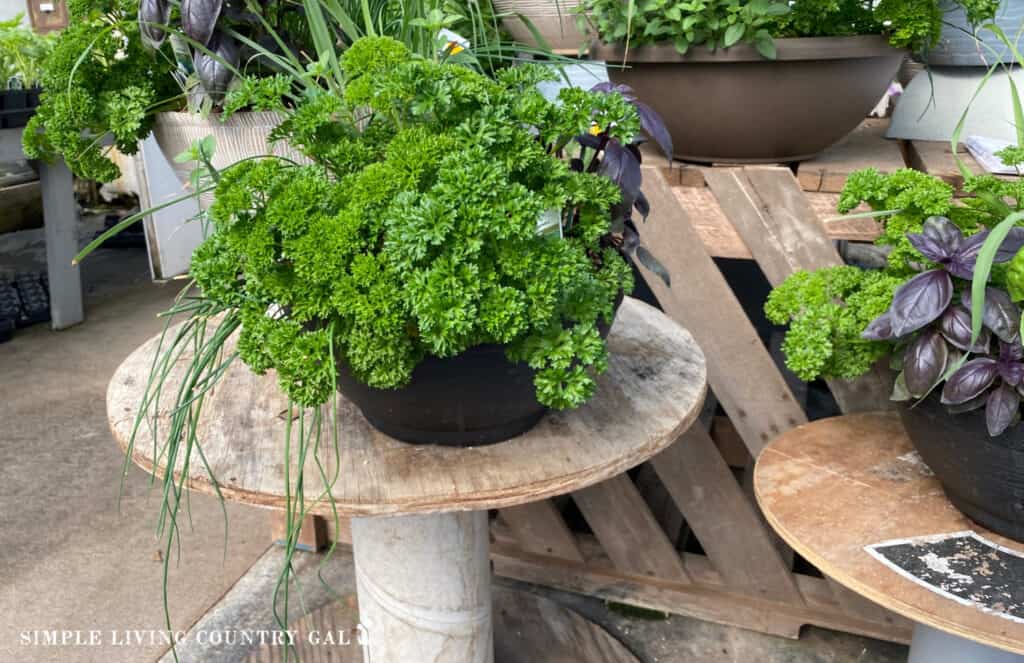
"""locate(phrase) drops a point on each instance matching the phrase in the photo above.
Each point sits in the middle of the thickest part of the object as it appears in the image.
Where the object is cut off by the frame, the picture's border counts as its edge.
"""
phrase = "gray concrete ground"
(69, 560)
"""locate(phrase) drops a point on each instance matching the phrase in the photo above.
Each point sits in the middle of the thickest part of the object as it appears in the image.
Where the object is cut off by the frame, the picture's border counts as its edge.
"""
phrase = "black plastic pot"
(478, 397)
(17, 106)
(982, 476)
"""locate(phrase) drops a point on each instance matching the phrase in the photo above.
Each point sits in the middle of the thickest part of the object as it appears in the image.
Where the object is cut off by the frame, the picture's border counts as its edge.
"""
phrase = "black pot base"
(451, 438)
(1011, 529)
(983, 477)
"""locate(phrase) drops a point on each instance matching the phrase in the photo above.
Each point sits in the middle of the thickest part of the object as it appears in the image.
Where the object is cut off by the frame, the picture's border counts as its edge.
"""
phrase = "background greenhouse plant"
(718, 24)
(121, 61)
(22, 51)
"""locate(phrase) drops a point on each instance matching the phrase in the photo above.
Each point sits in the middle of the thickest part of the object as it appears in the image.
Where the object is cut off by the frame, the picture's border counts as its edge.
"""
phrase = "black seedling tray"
(10, 311)
(24, 301)
(35, 299)
(17, 106)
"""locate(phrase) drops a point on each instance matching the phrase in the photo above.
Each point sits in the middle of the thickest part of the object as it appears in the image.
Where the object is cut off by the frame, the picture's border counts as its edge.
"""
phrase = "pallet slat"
(772, 215)
(628, 531)
(740, 546)
(740, 371)
(540, 529)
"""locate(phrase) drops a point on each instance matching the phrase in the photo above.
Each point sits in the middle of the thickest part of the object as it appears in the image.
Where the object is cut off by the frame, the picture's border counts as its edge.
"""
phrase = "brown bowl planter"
(735, 106)
(982, 476)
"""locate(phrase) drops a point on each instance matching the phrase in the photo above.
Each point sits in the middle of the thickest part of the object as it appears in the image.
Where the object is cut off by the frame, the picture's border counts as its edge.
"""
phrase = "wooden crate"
(683, 533)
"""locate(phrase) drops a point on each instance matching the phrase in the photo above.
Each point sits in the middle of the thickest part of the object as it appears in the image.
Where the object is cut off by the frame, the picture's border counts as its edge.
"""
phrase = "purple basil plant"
(621, 163)
(930, 319)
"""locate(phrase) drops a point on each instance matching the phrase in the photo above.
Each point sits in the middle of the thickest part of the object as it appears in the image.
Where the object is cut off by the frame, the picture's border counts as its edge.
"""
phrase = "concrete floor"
(69, 559)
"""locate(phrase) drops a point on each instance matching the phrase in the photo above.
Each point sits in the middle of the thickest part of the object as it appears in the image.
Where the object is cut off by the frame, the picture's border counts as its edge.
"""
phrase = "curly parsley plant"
(438, 216)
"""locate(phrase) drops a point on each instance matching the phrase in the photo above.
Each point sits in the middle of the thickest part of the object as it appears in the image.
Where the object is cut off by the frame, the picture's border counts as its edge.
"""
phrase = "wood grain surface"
(836, 485)
(651, 393)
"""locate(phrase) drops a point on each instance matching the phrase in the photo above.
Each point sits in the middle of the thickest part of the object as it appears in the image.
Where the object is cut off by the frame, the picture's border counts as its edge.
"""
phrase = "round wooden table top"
(832, 487)
(651, 393)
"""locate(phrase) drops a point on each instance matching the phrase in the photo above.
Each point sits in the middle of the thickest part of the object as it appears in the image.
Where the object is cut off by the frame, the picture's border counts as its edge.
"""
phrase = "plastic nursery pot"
(982, 476)
(553, 20)
(734, 106)
(17, 106)
(471, 399)
(243, 135)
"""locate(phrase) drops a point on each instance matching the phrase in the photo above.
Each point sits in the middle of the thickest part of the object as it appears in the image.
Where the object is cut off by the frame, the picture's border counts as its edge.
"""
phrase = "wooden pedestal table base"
(835, 486)
(419, 512)
(527, 629)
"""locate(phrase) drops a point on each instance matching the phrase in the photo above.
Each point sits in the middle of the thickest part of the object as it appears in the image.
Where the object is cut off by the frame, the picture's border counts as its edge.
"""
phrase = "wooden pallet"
(745, 576)
(632, 539)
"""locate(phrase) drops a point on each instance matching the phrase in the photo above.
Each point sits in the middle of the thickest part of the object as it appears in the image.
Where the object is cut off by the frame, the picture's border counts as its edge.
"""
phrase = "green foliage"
(826, 311)
(721, 23)
(686, 23)
(21, 53)
(416, 230)
(915, 195)
(98, 81)
(911, 23)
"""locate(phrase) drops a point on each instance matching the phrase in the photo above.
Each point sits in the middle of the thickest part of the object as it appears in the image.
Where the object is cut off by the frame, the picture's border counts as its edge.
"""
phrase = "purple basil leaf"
(919, 301)
(943, 231)
(939, 239)
(955, 326)
(199, 18)
(1001, 315)
(924, 362)
(608, 87)
(213, 73)
(1011, 245)
(152, 15)
(968, 406)
(620, 166)
(588, 140)
(969, 381)
(654, 126)
(1011, 372)
(642, 205)
(648, 260)
(879, 329)
(1012, 351)
(1001, 409)
(929, 248)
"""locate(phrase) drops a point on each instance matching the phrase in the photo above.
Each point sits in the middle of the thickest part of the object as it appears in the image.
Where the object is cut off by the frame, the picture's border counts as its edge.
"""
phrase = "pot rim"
(239, 119)
(789, 50)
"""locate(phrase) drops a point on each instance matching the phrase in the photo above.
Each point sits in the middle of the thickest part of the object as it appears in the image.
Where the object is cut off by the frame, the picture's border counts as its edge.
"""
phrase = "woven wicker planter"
(243, 135)
(553, 19)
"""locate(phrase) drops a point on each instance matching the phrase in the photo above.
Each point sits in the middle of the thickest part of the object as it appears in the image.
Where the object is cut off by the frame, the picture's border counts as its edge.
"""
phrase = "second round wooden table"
(423, 575)
(835, 487)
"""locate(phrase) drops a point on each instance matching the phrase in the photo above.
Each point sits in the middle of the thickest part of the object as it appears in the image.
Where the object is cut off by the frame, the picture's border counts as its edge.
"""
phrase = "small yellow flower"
(595, 129)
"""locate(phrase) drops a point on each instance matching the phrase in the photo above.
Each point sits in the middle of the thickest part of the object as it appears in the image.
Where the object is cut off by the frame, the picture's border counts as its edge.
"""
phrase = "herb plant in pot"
(21, 52)
(945, 313)
(759, 80)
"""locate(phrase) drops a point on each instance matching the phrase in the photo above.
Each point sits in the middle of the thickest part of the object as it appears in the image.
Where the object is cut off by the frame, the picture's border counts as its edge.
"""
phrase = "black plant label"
(961, 566)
